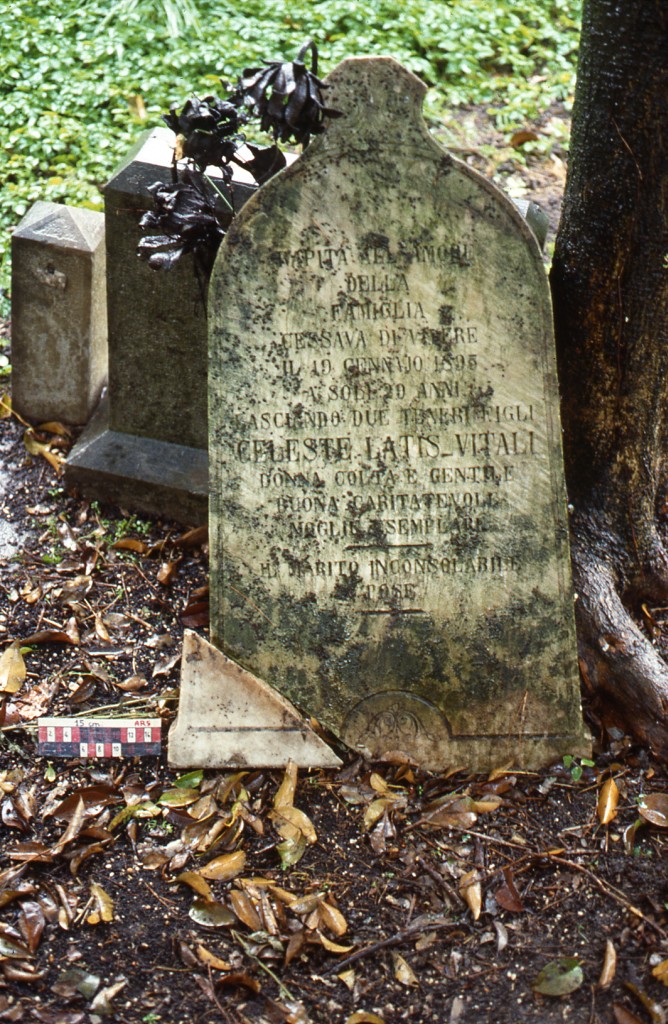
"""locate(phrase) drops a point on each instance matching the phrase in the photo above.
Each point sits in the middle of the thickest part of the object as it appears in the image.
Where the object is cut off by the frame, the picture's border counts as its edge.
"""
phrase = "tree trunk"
(610, 287)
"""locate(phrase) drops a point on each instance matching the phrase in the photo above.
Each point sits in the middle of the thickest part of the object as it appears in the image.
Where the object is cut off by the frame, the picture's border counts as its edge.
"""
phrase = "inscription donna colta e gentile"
(391, 448)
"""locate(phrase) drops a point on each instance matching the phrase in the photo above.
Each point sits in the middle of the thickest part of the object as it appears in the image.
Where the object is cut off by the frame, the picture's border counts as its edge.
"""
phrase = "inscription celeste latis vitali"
(388, 516)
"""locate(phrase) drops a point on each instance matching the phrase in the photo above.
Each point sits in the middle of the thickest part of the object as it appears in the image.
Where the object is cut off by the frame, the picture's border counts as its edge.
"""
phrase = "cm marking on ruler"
(103, 737)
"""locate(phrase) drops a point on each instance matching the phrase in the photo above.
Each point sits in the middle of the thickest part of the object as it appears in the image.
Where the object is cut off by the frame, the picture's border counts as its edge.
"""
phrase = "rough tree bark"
(610, 287)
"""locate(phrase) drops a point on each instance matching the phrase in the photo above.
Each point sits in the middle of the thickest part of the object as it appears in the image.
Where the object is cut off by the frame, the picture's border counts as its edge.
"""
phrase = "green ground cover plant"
(79, 81)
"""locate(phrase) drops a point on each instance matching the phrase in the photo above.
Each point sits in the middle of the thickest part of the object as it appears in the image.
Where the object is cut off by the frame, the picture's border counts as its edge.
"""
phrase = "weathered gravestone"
(59, 316)
(147, 447)
(388, 514)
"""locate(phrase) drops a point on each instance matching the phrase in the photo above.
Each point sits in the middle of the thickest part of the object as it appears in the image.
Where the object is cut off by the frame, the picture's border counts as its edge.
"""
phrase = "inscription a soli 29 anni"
(389, 541)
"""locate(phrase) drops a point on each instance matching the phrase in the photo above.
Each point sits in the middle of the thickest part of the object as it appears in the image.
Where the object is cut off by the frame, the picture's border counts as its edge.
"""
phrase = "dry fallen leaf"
(193, 538)
(196, 882)
(654, 808)
(629, 836)
(32, 923)
(211, 960)
(471, 892)
(36, 447)
(285, 794)
(225, 867)
(54, 636)
(498, 773)
(140, 547)
(609, 966)
(519, 138)
(94, 798)
(36, 701)
(501, 936)
(333, 947)
(378, 783)
(654, 1009)
(348, 978)
(244, 908)
(132, 684)
(292, 824)
(448, 811)
(165, 665)
(55, 427)
(362, 1017)
(507, 895)
(375, 811)
(488, 802)
(101, 1004)
(333, 919)
(211, 914)
(196, 613)
(100, 629)
(178, 797)
(295, 827)
(624, 1016)
(12, 669)
(103, 905)
(167, 572)
(660, 972)
(607, 801)
(403, 972)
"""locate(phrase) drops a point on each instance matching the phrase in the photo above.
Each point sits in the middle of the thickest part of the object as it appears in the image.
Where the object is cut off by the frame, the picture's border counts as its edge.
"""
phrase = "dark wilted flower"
(206, 131)
(185, 220)
(287, 97)
(265, 161)
(189, 215)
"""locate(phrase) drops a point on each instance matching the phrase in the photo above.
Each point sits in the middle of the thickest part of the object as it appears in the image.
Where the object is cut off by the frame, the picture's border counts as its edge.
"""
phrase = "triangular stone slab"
(229, 718)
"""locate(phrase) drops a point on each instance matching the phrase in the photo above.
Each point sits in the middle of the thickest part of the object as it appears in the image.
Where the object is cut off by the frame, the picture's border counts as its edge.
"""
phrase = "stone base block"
(229, 718)
(476, 753)
(139, 473)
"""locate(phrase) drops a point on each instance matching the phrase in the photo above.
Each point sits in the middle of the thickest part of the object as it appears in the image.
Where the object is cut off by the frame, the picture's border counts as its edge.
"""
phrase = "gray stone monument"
(147, 446)
(59, 317)
(388, 519)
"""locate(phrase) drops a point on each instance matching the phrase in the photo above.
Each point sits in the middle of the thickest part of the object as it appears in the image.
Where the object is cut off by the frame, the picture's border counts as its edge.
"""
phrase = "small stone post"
(59, 316)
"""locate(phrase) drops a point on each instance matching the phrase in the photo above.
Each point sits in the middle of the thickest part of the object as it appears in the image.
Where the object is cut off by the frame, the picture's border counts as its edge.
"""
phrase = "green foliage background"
(71, 71)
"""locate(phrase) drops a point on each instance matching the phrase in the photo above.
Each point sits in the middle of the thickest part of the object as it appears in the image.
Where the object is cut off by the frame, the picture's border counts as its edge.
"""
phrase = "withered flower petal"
(287, 97)
(185, 219)
(208, 129)
(264, 163)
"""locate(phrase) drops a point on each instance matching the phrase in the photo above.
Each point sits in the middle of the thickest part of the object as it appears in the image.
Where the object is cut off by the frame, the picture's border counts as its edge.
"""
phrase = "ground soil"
(417, 897)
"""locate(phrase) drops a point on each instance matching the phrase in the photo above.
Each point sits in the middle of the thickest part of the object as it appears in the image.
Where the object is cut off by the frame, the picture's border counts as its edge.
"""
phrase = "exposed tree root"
(619, 664)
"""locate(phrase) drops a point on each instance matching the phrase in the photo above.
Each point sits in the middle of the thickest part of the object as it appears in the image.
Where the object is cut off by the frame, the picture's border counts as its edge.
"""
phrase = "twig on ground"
(608, 890)
(285, 992)
(453, 896)
(398, 939)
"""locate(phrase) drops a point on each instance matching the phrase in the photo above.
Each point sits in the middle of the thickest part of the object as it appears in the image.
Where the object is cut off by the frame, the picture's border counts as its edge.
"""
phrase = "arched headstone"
(388, 513)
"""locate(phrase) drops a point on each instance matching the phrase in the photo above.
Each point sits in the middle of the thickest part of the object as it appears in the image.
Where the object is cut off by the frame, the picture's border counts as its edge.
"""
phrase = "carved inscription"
(391, 442)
